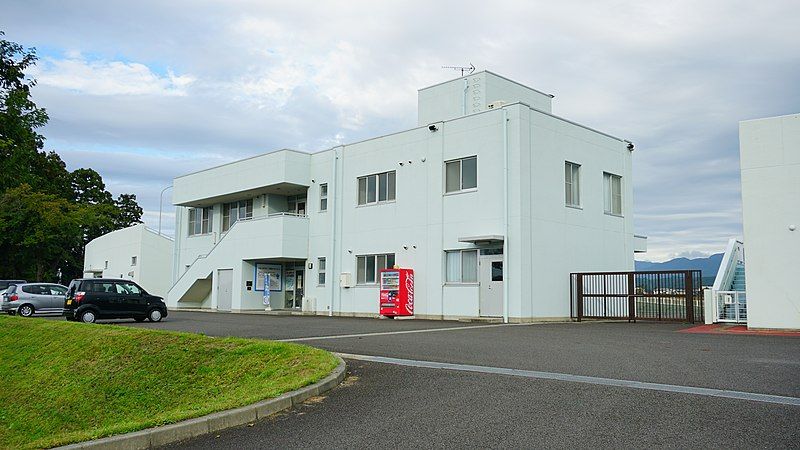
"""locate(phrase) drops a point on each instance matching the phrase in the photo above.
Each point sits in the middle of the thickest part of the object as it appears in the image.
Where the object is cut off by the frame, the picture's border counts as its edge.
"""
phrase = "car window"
(11, 289)
(35, 289)
(103, 286)
(128, 289)
(57, 290)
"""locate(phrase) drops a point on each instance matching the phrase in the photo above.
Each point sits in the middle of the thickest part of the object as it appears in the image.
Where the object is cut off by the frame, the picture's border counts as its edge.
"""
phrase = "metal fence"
(731, 306)
(674, 295)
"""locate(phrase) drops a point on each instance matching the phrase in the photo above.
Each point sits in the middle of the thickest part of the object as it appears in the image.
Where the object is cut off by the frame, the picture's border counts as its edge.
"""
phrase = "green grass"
(63, 382)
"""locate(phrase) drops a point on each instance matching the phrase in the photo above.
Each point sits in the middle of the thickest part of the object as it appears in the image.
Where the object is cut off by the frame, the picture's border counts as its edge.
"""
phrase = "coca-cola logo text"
(410, 292)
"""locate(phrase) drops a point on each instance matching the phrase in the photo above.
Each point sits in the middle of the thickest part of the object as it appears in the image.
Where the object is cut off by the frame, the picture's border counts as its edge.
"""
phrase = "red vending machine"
(397, 292)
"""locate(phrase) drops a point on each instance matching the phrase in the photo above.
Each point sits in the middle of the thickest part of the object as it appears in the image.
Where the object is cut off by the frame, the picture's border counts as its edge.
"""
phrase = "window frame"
(323, 197)
(572, 187)
(227, 208)
(375, 269)
(373, 188)
(322, 271)
(460, 253)
(609, 196)
(134, 260)
(461, 188)
(205, 223)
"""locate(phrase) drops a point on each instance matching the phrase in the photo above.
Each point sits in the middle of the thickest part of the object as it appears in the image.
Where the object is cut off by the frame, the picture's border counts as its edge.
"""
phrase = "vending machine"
(397, 292)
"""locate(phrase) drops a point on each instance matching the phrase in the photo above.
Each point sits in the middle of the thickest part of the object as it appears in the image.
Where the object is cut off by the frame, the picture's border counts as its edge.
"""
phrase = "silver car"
(30, 298)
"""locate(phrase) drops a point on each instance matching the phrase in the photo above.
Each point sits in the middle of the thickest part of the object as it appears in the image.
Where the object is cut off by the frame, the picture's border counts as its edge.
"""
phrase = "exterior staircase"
(729, 292)
(738, 278)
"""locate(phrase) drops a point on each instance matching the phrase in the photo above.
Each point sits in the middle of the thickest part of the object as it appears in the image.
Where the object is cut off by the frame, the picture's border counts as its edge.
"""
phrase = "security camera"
(630, 146)
(433, 127)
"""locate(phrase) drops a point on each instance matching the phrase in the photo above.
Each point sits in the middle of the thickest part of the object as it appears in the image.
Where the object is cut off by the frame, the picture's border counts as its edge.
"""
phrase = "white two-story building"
(492, 200)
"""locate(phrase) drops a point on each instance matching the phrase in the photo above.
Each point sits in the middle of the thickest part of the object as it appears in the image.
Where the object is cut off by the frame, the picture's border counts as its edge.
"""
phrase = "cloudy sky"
(147, 90)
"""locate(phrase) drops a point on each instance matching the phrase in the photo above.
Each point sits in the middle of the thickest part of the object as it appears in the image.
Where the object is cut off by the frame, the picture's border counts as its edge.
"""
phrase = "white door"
(224, 286)
(491, 291)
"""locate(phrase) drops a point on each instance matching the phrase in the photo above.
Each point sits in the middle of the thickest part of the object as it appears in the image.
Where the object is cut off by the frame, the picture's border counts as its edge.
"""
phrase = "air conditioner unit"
(496, 104)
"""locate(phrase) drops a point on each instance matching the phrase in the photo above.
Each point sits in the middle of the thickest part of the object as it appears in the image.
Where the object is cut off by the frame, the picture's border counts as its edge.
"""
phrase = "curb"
(167, 434)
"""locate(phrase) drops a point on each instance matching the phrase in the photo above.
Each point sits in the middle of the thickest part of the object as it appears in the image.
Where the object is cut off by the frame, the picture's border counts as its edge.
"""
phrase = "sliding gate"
(674, 295)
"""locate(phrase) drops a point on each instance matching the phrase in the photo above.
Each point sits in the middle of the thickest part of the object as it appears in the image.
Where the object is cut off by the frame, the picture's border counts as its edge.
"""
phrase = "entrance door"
(298, 289)
(491, 290)
(224, 286)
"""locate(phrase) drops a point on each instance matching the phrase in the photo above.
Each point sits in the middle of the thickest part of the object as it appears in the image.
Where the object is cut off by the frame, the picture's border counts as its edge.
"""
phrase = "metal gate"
(674, 295)
(731, 306)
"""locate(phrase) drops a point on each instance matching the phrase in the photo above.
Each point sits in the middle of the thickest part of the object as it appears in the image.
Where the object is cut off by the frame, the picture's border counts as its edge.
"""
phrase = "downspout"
(506, 247)
(334, 282)
(464, 98)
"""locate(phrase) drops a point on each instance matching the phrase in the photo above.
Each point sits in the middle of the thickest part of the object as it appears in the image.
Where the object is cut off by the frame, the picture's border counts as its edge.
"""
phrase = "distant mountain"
(708, 265)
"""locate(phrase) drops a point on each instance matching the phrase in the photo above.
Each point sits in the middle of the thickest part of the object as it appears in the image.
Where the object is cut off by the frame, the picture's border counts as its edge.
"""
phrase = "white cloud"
(108, 78)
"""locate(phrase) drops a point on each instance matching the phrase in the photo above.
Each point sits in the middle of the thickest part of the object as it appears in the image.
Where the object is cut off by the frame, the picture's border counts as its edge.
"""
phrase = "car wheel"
(88, 316)
(139, 319)
(155, 315)
(26, 310)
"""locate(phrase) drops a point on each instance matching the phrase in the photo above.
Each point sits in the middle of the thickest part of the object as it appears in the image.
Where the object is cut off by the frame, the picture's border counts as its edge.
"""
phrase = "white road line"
(388, 333)
(709, 392)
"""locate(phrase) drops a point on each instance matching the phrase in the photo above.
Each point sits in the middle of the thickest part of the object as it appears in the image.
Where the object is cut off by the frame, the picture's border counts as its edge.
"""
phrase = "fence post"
(631, 298)
(688, 287)
(579, 287)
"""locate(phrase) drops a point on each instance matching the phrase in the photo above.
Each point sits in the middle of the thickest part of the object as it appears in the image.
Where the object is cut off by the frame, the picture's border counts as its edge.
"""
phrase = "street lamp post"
(160, 203)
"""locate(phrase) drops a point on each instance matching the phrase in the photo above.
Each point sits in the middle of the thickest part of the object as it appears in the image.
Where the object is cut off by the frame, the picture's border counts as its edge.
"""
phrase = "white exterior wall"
(471, 94)
(770, 164)
(546, 240)
(153, 254)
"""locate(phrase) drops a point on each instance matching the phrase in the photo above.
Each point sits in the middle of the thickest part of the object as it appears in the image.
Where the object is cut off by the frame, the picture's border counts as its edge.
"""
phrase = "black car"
(90, 299)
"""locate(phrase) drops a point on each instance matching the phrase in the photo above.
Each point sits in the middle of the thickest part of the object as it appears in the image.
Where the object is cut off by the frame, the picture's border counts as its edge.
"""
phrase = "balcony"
(284, 172)
(281, 235)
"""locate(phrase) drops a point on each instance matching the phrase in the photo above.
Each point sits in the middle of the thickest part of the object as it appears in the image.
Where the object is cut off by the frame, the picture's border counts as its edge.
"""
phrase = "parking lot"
(514, 385)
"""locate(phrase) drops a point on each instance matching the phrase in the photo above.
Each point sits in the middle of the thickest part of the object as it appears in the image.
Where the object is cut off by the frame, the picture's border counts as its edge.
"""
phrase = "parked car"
(4, 284)
(90, 299)
(27, 299)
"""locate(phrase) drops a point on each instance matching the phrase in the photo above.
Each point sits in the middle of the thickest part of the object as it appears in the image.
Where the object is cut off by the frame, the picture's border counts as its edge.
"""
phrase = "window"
(377, 188)
(128, 289)
(368, 267)
(106, 265)
(236, 211)
(321, 271)
(323, 197)
(572, 183)
(200, 220)
(462, 266)
(296, 204)
(133, 260)
(461, 174)
(57, 290)
(612, 188)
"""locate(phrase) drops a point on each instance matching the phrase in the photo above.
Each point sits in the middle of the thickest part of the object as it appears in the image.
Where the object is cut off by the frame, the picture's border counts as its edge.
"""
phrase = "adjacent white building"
(770, 165)
(135, 253)
(492, 200)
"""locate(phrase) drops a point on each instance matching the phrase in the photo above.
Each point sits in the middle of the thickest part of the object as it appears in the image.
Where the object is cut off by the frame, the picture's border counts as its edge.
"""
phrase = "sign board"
(269, 275)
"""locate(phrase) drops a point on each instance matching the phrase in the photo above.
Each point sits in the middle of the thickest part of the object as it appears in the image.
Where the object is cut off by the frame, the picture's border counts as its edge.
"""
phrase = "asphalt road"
(387, 405)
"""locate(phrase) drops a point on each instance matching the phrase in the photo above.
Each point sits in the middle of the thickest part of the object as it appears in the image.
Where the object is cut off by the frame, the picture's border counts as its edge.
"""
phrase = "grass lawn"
(62, 382)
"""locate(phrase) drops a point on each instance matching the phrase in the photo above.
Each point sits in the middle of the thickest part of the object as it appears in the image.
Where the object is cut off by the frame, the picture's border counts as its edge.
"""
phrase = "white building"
(770, 164)
(134, 253)
(492, 200)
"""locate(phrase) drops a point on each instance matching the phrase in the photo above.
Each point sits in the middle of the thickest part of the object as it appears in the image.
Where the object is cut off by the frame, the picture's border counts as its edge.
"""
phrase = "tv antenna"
(463, 69)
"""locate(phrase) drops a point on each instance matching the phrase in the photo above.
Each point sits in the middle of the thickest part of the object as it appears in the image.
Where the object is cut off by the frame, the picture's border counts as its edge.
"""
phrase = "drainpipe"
(333, 256)
(505, 216)
(464, 98)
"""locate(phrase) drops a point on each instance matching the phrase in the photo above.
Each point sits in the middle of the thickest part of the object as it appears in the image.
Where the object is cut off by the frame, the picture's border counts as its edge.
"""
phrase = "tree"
(47, 214)
(37, 233)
